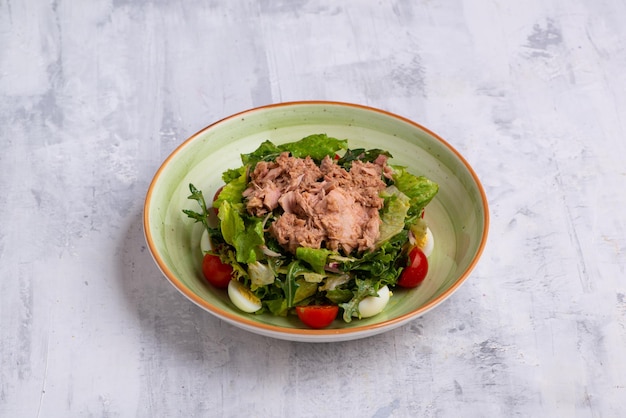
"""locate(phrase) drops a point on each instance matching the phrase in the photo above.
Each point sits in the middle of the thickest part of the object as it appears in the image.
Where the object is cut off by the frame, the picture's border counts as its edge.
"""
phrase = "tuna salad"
(316, 229)
(319, 206)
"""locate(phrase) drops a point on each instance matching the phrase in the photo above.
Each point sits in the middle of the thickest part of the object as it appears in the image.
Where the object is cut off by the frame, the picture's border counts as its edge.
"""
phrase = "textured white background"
(95, 94)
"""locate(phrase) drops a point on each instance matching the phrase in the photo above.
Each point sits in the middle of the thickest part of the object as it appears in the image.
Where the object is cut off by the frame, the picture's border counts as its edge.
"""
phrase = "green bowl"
(458, 216)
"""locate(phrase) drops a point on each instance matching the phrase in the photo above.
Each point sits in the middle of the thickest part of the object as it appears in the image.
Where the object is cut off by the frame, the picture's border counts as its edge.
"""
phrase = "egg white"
(205, 242)
(373, 305)
(428, 244)
(242, 297)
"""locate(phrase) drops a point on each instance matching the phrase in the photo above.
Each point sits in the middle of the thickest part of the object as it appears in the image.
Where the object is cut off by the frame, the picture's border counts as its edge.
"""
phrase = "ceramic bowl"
(458, 216)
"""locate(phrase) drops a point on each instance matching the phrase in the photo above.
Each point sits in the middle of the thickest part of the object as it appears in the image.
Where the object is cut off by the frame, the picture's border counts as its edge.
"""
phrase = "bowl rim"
(307, 334)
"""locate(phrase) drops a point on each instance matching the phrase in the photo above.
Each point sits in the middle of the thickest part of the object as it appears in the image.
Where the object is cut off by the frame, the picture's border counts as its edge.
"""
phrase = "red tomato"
(216, 272)
(415, 272)
(217, 193)
(317, 316)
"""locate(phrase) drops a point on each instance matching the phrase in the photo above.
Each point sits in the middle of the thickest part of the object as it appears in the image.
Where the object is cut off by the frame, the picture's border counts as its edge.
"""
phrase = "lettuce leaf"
(316, 146)
(267, 151)
(315, 257)
(261, 274)
(304, 290)
(339, 295)
(419, 189)
(277, 307)
(397, 205)
(246, 239)
(232, 192)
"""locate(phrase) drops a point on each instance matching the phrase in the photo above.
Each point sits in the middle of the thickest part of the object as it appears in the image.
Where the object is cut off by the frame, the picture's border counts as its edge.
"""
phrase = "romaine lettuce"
(420, 190)
(394, 213)
(246, 239)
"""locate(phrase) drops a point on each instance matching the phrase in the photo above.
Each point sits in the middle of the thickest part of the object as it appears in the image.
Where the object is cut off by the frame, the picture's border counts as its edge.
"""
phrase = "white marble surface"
(95, 94)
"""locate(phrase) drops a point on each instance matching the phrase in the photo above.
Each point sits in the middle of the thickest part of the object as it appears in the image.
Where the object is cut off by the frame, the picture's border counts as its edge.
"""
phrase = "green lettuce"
(304, 290)
(277, 306)
(419, 189)
(267, 151)
(246, 239)
(232, 192)
(397, 205)
(315, 257)
(339, 295)
(315, 146)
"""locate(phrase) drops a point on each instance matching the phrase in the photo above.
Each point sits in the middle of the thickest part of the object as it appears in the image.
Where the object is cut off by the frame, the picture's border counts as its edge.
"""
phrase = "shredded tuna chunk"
(323, 206)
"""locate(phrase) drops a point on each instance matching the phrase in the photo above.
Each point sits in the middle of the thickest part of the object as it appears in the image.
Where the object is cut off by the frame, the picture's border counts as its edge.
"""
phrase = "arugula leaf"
(381, 263)
(365, 288)
(202, 217)
(360, 154)
(290, 286)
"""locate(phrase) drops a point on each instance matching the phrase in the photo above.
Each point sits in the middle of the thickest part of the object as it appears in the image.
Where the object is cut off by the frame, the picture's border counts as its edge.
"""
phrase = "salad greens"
(283, 280)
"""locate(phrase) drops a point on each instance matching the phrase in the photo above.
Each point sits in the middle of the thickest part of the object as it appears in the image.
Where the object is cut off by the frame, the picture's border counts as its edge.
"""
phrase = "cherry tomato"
(415, 272)
(217, 193)
(216, 272)
(317, 316)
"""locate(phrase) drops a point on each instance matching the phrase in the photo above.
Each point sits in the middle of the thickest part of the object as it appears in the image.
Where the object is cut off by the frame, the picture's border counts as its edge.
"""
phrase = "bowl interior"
(457, 216)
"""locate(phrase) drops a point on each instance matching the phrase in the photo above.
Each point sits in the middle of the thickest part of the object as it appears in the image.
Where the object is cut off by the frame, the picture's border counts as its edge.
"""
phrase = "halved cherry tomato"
(317, 316)
(216, 272)
(416, 271)
(217, 193)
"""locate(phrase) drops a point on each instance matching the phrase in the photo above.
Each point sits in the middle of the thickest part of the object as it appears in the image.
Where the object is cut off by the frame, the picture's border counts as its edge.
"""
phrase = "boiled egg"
(242, 297)
(422, 237)
(427, 243)
(205, 242)
(373, 305)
